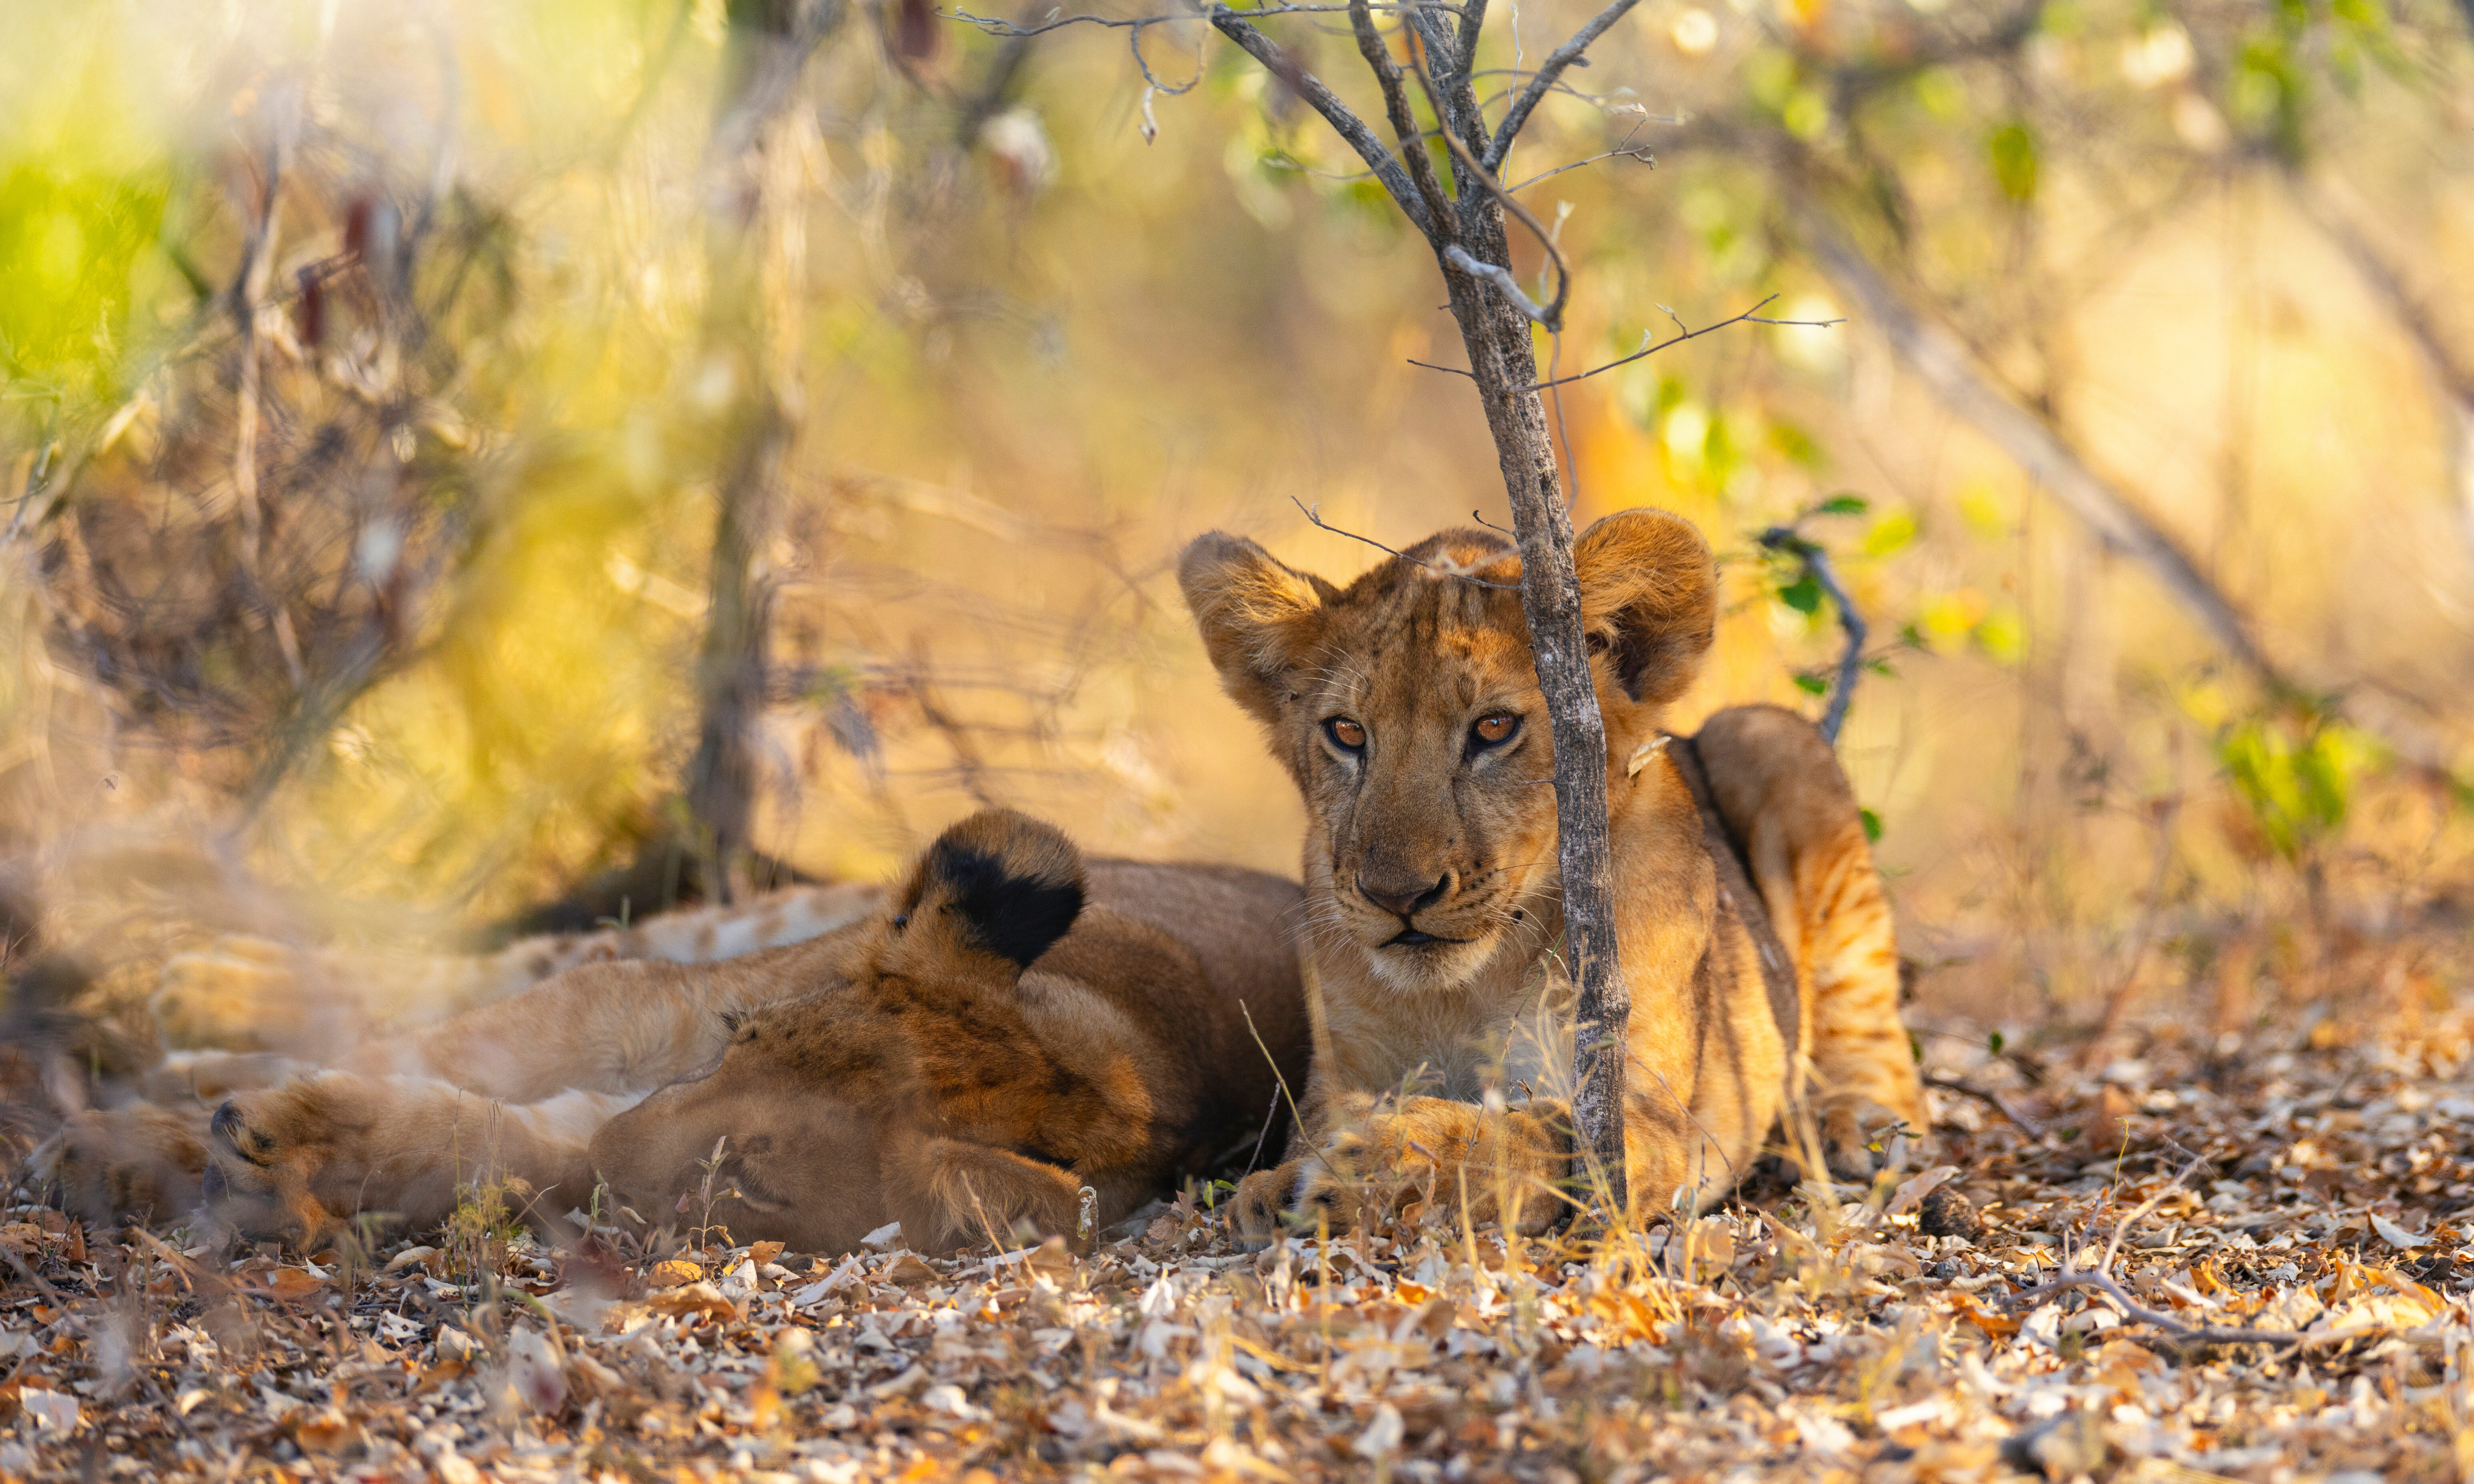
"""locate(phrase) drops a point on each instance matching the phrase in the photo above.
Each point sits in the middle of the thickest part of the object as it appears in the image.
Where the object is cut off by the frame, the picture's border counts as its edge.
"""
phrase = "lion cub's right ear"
(1258, 618)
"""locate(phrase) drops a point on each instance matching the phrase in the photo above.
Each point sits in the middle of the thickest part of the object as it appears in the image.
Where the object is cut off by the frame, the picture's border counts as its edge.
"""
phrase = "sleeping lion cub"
(1406, 707)
(1006, 1029)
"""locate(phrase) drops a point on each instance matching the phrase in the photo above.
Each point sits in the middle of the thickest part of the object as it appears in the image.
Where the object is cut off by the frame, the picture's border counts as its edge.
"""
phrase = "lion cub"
(1755, 936)
(1007, 1028)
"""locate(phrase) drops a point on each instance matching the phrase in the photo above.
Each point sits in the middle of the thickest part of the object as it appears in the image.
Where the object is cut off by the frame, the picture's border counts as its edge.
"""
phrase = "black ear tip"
(1016, 881)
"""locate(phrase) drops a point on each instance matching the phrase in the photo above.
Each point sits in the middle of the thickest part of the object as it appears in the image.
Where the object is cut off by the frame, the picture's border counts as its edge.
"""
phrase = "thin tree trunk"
(1466, 230)
(769, 43)
(1505, 365)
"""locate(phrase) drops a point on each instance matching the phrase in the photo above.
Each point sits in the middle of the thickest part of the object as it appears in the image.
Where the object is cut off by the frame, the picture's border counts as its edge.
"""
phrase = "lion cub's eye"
(1492, 731)
(1344, 734)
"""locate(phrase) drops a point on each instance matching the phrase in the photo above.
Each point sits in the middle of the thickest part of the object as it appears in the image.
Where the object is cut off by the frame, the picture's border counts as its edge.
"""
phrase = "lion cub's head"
(1406, 706)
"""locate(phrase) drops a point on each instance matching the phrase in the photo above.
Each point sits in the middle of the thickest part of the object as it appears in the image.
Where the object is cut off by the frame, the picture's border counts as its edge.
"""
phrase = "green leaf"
(1843, 505)
(1872, 827)
(1993, 1043)
(2014, 161)
(1794, 445)
(1890, 534)
(1813, 684)
(1804, 594)
(1916, 1047)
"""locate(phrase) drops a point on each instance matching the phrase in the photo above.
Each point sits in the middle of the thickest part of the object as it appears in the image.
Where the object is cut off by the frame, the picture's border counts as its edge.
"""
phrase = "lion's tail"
(1777, 785)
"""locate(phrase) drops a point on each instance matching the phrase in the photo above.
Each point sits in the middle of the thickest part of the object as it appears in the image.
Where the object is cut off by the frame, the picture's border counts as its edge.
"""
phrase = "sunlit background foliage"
(366, 417)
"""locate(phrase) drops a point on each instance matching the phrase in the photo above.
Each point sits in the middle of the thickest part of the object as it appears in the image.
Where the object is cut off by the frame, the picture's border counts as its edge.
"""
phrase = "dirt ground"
(2246, 1259)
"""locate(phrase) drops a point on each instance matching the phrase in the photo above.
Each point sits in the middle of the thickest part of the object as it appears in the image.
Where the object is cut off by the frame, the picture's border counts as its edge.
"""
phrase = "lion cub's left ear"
(1649, 599)
(999, 884)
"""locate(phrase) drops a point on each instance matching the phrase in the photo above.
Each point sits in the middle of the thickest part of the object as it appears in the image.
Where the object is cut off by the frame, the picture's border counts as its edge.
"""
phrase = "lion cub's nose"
(1404, 899)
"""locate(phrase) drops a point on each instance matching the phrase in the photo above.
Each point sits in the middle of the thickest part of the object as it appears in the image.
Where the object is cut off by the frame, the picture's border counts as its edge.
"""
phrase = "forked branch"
(1352, 129)
(1557, 62)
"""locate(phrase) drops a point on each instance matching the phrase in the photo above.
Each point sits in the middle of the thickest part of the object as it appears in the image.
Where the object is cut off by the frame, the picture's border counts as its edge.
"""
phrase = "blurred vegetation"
(368, 412)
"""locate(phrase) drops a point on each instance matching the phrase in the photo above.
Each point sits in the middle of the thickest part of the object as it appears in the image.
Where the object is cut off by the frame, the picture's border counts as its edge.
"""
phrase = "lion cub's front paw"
(1256, 1211)
(1346, 1176)
(1439, 1154)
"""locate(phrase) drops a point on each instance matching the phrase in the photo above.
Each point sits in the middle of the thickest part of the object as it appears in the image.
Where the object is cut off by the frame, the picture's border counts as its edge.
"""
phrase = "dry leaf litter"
(2246, 1265)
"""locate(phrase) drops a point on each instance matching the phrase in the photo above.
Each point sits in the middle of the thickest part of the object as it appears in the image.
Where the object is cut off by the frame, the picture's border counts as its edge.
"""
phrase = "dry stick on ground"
(1960, 380)
(2100, 1279)
(2032, 1127)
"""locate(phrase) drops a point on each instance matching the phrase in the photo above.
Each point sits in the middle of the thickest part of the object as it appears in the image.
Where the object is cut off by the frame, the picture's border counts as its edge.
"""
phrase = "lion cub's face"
(1406, 706)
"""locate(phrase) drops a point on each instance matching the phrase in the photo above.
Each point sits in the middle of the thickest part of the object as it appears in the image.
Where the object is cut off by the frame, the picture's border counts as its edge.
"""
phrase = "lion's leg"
(948, 1194)
(1779, 788)
(209, 1077)
(302, 1158)
(244, 992)
(1438, 1150)
(135, 1161)
(620, 1028)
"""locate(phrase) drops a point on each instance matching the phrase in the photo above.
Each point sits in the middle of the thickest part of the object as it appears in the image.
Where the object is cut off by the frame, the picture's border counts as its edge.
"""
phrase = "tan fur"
(1433, 897)
(908, 1067)
(246, 992)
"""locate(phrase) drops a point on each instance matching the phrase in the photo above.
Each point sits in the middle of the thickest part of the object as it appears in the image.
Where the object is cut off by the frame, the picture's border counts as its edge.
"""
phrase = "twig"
(1439, 228)
(1999, 1104)
(1344, 123)
(1851, 661)
(1752, 316)
(1312, 512)
(1561, 57)
(2174, 1328)
(1503, 280)
(998, 26)
(1627, 149)
(2121, 1228)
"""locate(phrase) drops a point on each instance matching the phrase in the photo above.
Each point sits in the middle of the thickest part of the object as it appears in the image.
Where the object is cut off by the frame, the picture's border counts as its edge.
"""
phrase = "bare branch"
(1557, 62)
(2027, 1124)
(1377, 53)
(1625, 151)
(1275, 59)
(2334, 212)
(1752, 316)
(999, 26)
(1473, 172)
(1955, 375)
(1851, 661)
